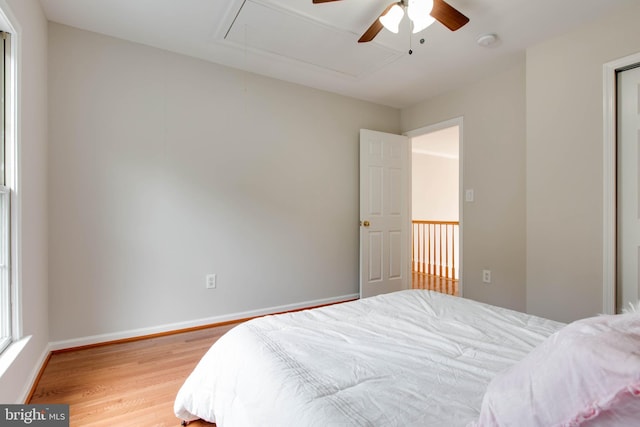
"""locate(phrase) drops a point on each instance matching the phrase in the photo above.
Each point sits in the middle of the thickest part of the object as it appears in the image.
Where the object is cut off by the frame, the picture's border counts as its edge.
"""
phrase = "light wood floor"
(135, 383)
(127, 384)
(434, 283)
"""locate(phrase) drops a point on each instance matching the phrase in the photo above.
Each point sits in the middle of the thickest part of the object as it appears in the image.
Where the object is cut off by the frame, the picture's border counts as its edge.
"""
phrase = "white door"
(628, 188)
(384, 212)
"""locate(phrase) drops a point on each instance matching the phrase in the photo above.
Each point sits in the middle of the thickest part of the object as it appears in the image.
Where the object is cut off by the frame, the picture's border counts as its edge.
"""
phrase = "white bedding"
(410, 358)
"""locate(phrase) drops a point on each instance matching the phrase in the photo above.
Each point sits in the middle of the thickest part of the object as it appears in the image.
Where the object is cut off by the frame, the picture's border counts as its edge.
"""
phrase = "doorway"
(612, 292)
(627, 188)
(435, 212)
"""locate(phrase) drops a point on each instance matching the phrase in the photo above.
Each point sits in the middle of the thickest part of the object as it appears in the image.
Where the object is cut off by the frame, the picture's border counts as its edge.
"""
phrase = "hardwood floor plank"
(125, 384)
(434, 283)
(130, 383)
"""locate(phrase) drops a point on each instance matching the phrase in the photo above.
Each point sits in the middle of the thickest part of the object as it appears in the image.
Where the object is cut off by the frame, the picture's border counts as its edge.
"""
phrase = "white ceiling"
(316, 45)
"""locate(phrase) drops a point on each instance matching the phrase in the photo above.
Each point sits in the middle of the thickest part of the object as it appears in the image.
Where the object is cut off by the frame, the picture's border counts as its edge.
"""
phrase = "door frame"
(456, 121)
(609, 234)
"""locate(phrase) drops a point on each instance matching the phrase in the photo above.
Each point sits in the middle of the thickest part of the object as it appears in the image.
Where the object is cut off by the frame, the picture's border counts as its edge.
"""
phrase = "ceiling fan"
(422, 13)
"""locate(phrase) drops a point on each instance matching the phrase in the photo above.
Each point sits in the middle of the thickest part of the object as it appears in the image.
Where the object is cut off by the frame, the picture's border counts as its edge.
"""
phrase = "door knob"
(366, 223)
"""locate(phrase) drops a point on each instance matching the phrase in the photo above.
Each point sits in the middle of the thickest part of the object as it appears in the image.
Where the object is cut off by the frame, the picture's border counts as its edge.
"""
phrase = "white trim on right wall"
(609, 180)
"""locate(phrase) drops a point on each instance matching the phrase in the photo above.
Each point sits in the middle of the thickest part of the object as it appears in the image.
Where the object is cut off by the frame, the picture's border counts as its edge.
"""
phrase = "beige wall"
(30, 21)
(165, 168)
(434, 188)
(560, 258)
(493, 164)
(565, 164)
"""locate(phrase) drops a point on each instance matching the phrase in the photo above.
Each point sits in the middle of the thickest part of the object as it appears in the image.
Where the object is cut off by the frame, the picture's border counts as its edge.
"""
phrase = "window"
(6, 314)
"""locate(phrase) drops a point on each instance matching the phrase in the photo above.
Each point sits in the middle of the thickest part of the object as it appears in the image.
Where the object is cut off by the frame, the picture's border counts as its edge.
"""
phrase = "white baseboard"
(34, 374)
(133, 333)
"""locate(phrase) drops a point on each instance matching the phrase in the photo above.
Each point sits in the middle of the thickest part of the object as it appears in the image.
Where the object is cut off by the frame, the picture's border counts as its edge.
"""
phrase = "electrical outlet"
(469, 195)
(211, 281)
(486, 276)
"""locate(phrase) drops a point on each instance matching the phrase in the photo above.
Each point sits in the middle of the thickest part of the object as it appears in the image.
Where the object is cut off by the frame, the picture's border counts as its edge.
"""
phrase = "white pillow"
(586, 374)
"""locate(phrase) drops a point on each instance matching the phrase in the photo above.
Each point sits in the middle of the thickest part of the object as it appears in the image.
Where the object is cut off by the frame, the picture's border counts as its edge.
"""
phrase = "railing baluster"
(453, 251)
(446, 251)
(428, 248)
(440, 253)
(421, 246)
(414, 251)
(416, 244)
(433, 249)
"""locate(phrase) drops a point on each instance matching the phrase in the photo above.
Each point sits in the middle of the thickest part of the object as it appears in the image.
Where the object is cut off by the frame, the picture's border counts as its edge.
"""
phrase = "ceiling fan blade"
(448, 15)
(375, 28)
(323, 1)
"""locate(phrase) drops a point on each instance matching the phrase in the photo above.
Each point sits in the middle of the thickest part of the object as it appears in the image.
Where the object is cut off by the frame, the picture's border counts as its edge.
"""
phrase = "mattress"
(409, 358)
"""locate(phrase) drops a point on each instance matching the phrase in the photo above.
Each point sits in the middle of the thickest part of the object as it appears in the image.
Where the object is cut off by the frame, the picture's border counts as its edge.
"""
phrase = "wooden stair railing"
(435, 248)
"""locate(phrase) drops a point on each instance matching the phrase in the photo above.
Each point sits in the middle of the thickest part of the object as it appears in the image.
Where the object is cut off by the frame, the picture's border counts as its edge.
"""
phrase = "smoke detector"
(487, 40)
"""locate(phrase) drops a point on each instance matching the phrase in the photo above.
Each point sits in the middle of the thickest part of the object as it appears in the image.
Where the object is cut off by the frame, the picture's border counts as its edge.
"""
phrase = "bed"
(409, 358)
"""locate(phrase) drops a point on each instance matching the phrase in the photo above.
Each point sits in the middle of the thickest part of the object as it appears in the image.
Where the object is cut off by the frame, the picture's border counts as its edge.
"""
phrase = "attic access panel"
(291, 36)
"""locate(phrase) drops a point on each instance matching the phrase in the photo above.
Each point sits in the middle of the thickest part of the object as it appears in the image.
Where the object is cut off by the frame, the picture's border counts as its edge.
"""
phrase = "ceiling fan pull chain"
(410, 38)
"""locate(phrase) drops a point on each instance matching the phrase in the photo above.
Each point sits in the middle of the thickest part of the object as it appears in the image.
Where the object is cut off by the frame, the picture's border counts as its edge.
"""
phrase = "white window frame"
(10, 330)
(6, 323)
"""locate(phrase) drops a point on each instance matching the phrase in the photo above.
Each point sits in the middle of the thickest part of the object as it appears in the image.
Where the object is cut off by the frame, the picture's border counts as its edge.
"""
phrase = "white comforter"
(411, 358)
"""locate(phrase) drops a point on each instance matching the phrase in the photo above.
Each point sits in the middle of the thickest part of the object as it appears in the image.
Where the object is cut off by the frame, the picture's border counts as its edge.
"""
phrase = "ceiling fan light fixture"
(419, 11)
(422, 23)
(391, 20)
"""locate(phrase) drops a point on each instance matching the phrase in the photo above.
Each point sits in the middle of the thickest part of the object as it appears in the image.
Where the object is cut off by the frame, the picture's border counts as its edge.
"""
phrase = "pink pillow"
(587, 374)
